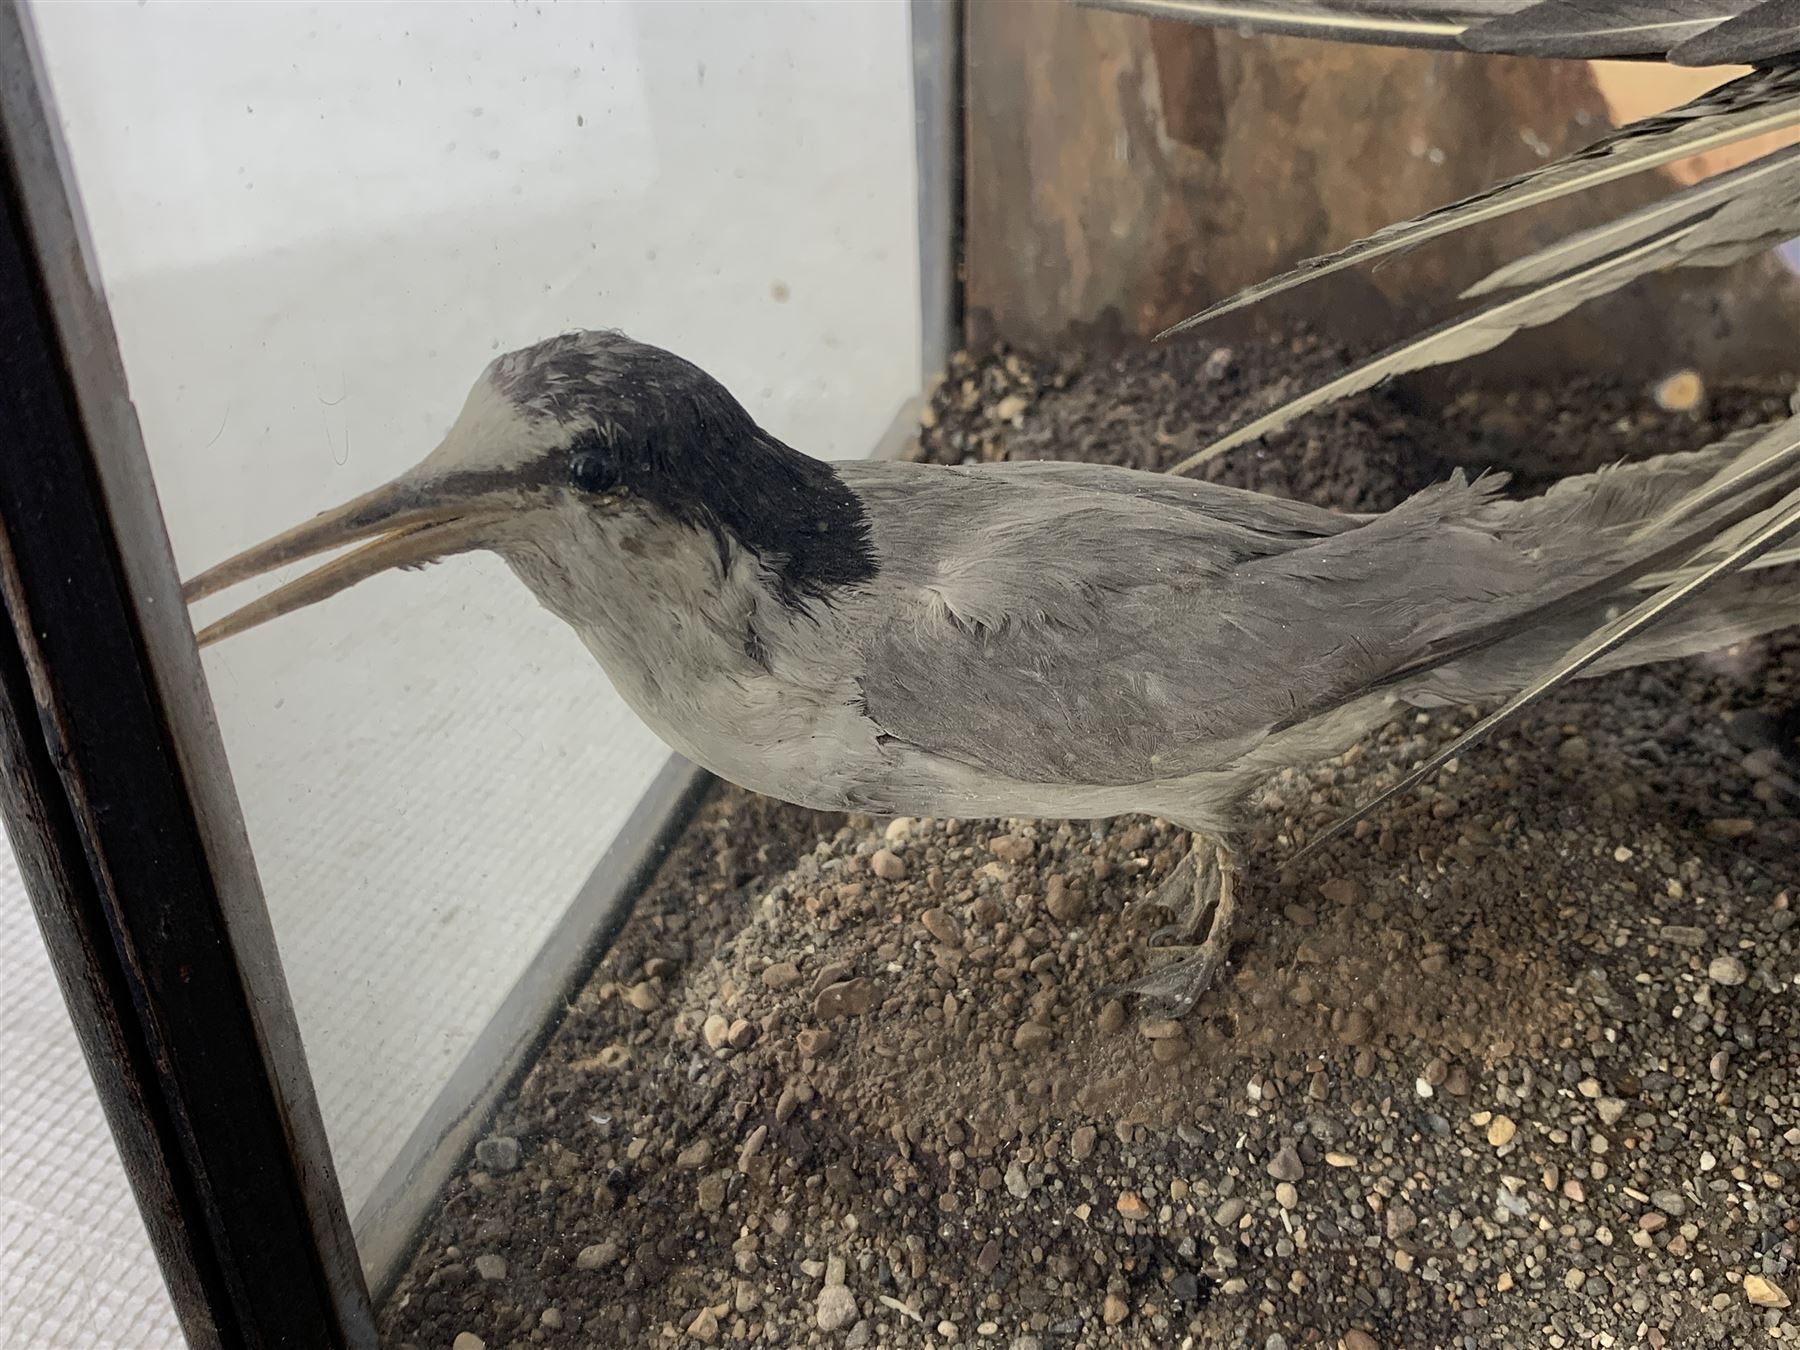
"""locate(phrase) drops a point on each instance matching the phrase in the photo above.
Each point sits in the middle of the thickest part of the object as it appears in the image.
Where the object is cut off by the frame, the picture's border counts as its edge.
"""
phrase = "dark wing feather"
(1593, 29)
(1767, 33)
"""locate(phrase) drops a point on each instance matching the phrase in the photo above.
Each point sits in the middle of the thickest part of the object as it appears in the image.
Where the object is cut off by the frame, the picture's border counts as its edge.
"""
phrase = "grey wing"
(1057, 627)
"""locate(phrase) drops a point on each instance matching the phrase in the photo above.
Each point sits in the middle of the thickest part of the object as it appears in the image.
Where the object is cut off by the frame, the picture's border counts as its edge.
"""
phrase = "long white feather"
(1757, 205)
(1474, 333)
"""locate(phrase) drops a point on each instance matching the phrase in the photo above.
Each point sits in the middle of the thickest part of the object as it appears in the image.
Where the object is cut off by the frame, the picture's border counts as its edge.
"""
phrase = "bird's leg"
(1191, 891)
(1213, 889)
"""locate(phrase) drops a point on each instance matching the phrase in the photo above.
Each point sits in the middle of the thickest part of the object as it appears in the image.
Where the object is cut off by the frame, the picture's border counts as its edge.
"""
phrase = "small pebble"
(846, 998)
(1010, 848)
(468, 1340)
(710, 1194)
(1285, 1165)
(1081, 1143)
(1765, 1293)
(1680, 392)
(490, 1266)
(597, 1257)
(939, 923)
(1286, 1196)
(499, 1153)
(1114, 1310)
(887, 865)
(1131, 1205)
(1031, 1036)
(1727, 970)
(780, 975)
(835, 1309)
(1501, 1130)
(715, 1031)
(752, 1146)
(1065, 903)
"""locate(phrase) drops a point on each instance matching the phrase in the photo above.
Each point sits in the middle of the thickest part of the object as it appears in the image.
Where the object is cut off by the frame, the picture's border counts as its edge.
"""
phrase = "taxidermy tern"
(1054, 640)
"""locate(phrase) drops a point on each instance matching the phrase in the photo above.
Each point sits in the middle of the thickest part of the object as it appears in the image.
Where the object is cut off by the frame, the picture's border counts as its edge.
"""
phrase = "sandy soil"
(1513, 1066)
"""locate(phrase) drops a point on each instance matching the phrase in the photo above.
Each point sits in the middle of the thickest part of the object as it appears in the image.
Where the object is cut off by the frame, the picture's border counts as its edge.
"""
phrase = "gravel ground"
(1514, 1066)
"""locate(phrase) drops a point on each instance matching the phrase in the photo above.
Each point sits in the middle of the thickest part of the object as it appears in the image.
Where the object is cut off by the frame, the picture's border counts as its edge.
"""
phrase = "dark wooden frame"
(122, 813)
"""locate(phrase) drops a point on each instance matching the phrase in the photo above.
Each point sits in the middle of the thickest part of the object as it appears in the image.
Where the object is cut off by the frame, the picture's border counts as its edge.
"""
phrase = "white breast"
(646, 598)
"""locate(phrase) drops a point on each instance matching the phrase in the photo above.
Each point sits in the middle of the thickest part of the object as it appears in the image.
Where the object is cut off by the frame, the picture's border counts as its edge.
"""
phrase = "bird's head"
(591, 421)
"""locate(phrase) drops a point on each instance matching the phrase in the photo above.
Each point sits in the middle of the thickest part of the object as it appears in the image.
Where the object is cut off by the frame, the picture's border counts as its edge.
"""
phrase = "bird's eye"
(590, 471)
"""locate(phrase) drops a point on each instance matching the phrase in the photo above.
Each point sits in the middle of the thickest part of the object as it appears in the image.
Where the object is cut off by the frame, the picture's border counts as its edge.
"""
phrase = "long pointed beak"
(408, 523)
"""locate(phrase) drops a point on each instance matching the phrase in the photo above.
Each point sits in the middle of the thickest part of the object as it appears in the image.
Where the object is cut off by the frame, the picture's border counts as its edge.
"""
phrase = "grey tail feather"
(1768, 32)
(1758, 205)
(1472, 334)
(1755, 104)
(1744, 610)
(1719, 220)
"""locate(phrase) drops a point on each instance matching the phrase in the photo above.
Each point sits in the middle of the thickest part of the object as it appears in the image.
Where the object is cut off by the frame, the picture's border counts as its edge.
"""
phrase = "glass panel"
(318, 223)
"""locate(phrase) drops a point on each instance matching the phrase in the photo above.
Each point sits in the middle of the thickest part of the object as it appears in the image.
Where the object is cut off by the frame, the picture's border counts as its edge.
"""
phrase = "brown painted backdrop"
(1122, 171)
